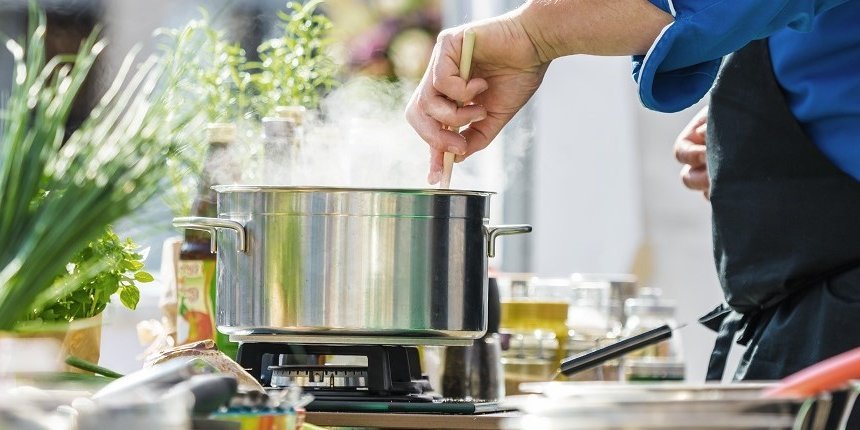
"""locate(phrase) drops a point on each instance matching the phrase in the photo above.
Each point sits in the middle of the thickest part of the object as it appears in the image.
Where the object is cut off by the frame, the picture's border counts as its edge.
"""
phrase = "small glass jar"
(646, 312)
(653, 369)
(528, 357)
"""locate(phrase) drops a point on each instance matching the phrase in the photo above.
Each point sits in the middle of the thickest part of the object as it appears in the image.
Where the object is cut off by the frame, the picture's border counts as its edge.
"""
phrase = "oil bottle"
(196, 269)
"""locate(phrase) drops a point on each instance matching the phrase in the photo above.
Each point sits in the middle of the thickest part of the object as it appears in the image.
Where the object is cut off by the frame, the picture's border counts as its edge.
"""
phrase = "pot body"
(353, 262)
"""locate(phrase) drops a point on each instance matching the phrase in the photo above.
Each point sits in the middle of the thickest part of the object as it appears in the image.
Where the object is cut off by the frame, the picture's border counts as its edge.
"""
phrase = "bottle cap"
(650, 301)
(294, 114)
(637, 307)
(654, 369)
(536, 344)
(221, 132)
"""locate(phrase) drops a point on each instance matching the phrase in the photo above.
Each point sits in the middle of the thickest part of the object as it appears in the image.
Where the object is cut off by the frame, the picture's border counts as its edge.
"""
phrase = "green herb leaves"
(57, 197)
(129, 296)
(296, 68)
(120, 264)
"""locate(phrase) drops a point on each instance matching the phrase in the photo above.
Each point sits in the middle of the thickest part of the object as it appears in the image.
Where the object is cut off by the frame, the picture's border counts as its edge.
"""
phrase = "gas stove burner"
(334, 377)
(338, 372)
(352, 378)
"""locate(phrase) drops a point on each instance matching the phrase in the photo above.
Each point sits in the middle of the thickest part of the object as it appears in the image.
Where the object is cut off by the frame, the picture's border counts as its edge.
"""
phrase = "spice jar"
(528, 357)
(661, 361)
(652, 369)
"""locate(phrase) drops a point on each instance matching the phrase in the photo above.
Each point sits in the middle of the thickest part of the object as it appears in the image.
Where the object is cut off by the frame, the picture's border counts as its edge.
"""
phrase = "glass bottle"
(196, 270)
(283, 134)
(664, 360)
(476, 372)
(591, 326)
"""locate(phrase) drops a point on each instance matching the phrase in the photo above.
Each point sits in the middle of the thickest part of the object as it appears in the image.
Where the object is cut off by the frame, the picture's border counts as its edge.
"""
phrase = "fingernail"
(434, 177)
(456, 150)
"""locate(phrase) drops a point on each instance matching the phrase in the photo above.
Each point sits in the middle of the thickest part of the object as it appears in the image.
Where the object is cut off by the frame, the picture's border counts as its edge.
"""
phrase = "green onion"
(56, 196)
(88, 366)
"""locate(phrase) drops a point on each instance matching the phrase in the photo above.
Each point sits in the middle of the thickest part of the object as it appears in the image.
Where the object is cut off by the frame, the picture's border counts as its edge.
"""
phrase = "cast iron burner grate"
(391, 380)
(392, 373)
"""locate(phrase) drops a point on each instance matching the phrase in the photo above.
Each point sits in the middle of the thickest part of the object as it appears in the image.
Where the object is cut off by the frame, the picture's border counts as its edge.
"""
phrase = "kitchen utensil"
(146, 408)
(594, 357)
(161, 376)
(573, 405)
(210, 392)
(465, 71)
(598, 391)
(827, 375)
(676, 405)
(361, 266)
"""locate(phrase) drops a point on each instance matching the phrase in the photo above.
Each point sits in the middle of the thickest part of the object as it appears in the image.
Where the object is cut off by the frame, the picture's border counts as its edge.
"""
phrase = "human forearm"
(598, 27)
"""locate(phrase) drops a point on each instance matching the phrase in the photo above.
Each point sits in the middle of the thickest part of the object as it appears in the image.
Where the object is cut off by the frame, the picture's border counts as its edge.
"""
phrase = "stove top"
(372, 371)
(353, 378)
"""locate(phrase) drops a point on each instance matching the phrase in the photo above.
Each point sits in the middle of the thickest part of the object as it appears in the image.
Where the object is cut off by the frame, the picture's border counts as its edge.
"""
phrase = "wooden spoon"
(465, 71)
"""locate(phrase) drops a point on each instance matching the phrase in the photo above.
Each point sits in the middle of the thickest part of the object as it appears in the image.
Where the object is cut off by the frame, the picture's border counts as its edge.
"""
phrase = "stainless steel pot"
(575, 405)
(366, 265)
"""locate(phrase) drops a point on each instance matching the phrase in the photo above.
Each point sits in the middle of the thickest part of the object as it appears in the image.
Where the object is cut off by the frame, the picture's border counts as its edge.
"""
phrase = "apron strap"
(726, 322)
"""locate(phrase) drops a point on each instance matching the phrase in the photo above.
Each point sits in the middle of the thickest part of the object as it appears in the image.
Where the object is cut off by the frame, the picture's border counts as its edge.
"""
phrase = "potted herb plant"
(122, 271)
(58, 194)
(296, 68)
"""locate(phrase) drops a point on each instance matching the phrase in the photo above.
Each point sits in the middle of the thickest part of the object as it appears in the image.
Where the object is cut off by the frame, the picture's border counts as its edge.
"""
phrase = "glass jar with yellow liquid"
(534, 314)
(531, 303)
(528, 357)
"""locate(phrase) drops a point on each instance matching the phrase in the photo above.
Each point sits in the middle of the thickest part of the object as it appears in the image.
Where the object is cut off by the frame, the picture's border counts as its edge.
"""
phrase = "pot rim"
(310, 189)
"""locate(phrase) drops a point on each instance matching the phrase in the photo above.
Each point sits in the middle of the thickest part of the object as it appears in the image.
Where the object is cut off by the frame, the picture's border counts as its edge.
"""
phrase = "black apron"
(786, 227)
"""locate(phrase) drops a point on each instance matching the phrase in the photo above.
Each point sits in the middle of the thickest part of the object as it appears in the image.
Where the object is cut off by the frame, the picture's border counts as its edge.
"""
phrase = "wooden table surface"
(410, 421)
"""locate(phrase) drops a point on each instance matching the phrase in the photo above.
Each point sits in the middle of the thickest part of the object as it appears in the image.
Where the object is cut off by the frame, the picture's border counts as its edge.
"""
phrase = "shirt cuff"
(677, 89)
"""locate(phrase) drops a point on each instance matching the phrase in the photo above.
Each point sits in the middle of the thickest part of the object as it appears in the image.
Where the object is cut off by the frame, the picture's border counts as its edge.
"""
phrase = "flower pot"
(83, 340)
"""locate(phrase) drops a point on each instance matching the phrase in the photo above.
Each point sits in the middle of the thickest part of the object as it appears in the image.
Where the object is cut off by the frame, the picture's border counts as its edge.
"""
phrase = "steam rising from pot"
(359, 138)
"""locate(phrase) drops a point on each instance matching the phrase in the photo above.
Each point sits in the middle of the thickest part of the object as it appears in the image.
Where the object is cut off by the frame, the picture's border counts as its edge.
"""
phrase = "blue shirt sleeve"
(683, 62)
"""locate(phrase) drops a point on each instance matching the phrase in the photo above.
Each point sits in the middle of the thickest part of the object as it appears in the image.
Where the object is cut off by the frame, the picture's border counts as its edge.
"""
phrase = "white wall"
(586, 198)
(606, 184)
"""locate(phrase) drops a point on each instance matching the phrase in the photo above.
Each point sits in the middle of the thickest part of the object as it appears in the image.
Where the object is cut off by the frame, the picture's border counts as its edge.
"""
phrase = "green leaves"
(129, 297)
(143, 277)
(295, 68)
(106, 266)
(56, 197)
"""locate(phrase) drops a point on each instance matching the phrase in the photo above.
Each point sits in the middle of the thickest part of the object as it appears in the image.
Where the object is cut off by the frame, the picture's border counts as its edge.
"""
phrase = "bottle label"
(195, 278)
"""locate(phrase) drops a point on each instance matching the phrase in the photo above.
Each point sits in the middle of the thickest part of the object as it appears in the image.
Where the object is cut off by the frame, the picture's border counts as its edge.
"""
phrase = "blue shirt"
(815, 51)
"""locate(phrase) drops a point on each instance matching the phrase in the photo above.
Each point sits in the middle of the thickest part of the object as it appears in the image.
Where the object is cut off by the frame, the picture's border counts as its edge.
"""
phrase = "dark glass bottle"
(475, 372)
(197, 276)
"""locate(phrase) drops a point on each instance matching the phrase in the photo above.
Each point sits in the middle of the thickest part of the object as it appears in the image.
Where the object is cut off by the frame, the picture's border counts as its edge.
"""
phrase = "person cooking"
(782, 160)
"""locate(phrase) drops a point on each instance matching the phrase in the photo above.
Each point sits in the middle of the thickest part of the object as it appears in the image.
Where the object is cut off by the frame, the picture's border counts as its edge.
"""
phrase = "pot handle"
(211, 225)
(503, 230)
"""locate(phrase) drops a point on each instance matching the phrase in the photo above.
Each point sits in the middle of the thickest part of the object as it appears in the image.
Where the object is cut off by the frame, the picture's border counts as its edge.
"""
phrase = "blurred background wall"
(593, 171)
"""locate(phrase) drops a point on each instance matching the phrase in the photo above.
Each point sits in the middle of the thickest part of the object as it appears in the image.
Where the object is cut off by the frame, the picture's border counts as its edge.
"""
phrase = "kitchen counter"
(410, 421)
